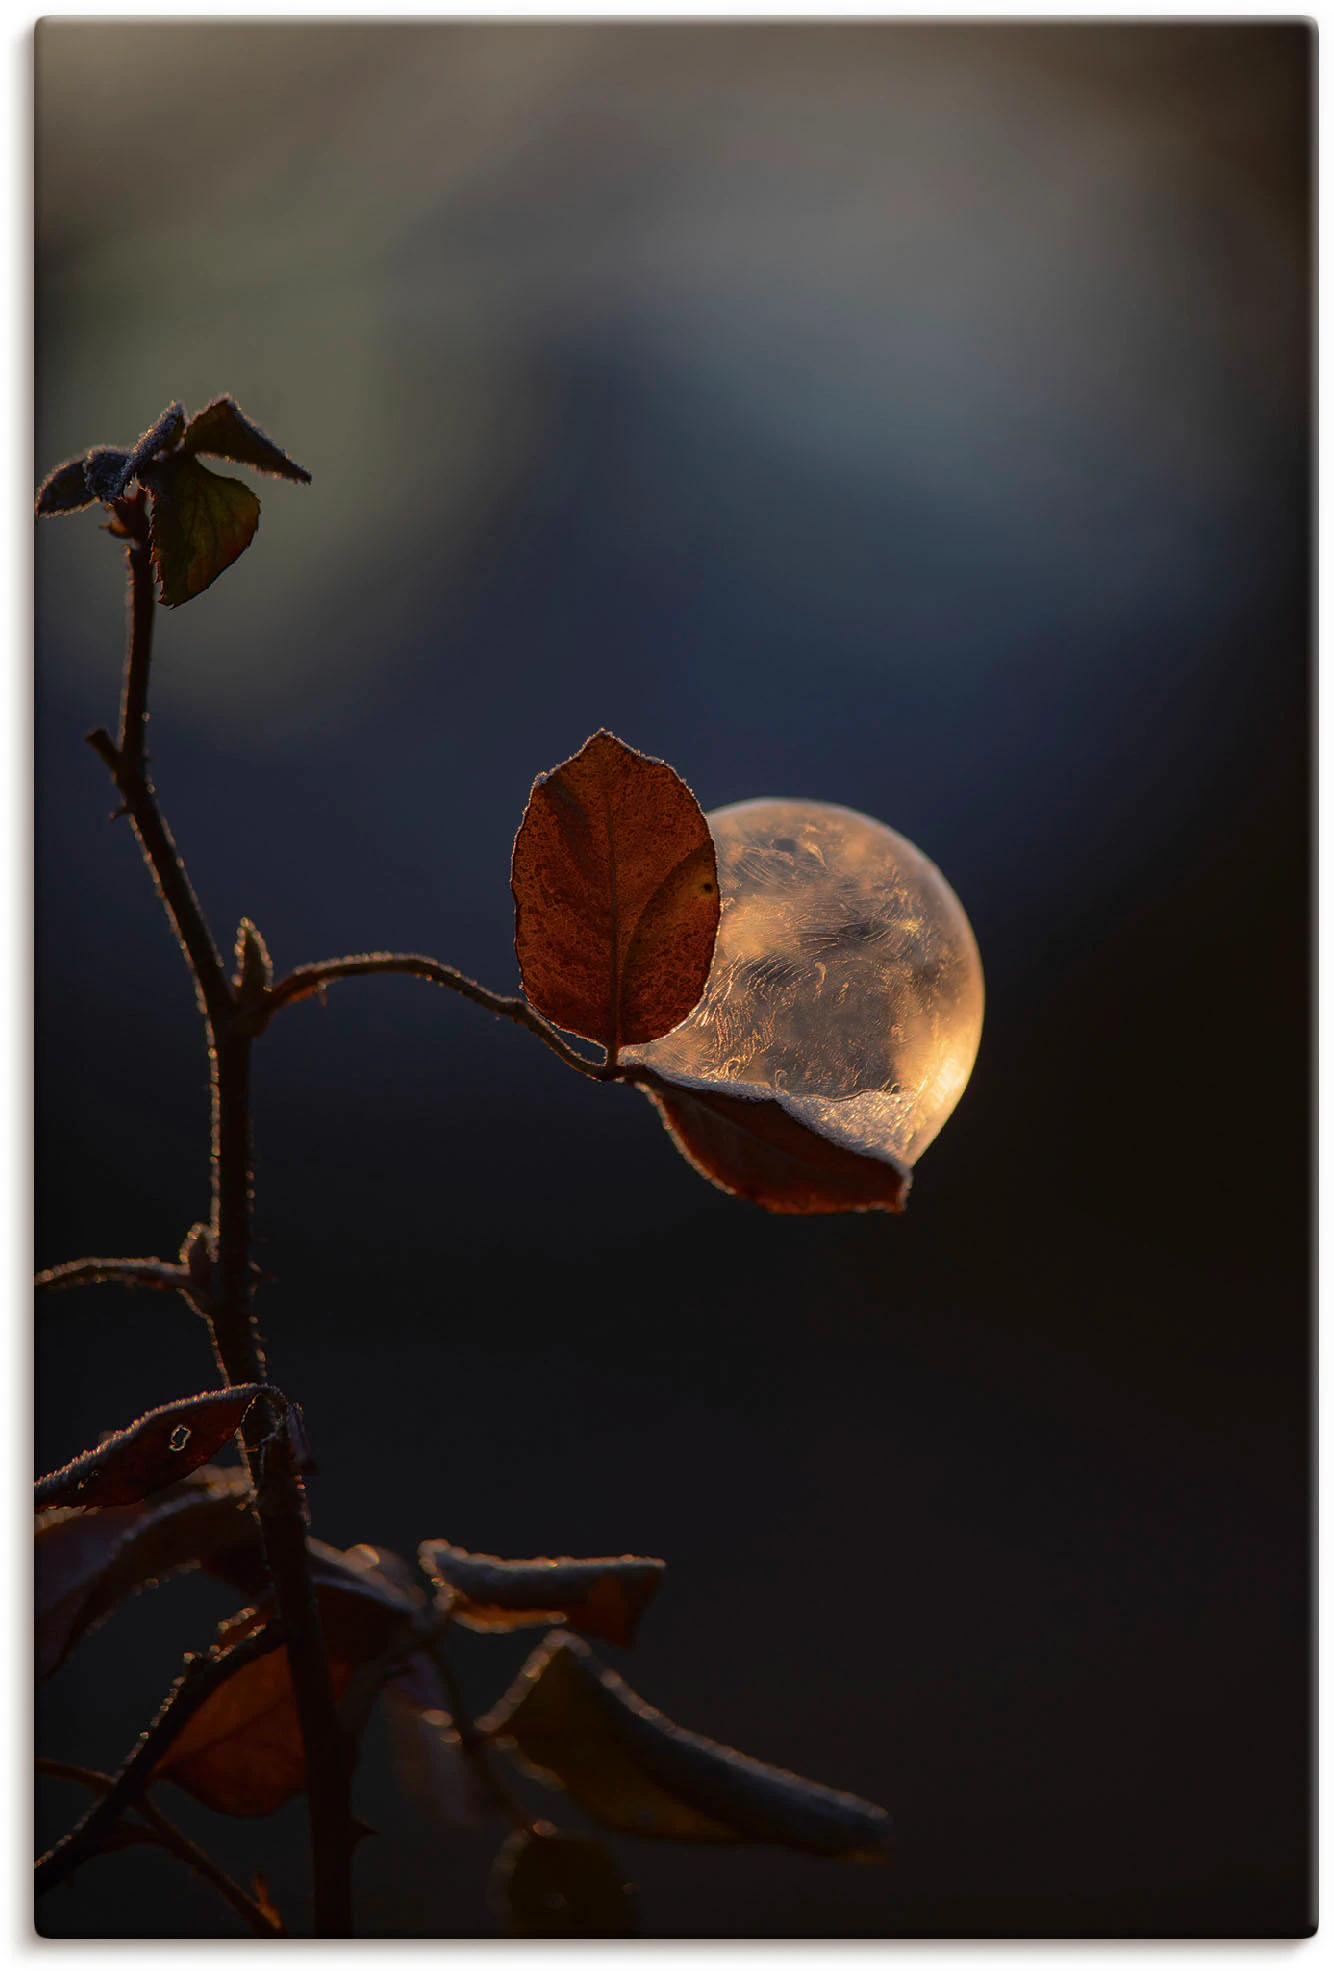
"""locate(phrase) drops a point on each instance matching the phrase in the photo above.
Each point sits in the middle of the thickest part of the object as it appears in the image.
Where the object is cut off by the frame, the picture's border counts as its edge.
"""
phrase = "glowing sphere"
(846, 982)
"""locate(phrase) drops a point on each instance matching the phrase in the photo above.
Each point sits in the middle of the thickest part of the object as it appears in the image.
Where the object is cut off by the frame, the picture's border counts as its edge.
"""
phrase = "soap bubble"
(846, 982)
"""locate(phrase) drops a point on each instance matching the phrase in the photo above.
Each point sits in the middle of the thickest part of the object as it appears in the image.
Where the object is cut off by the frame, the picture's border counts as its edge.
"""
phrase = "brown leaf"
(242, 1751)
(600, 1597)
(752, 1147)
(615, 895)
(88, 1561)
(632, 1769)
(561, 1885)
(199, 524)
(223, 431)
(158, 1448)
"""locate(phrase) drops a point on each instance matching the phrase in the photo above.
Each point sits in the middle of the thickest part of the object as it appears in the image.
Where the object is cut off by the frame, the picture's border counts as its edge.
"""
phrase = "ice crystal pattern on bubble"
(846, 980)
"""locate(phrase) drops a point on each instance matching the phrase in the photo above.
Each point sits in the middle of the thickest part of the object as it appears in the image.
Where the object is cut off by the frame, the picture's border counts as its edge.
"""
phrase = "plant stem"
(201, 1676)
(121, 1272)
(310, 979)
(169, 1836)
(238, 1345)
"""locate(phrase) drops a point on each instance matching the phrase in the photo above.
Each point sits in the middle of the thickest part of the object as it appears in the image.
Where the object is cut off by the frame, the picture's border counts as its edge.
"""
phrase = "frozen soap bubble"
(846, 983)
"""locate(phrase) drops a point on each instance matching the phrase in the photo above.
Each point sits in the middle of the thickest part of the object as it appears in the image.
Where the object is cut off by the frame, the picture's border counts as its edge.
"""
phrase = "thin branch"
(170, 1837)
(128, 762)
(279, 1493)
(117, 1272)
(308, 979)
(201, 1676)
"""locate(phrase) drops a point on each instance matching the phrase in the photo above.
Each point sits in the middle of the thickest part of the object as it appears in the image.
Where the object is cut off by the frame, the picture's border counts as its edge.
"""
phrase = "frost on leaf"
(840, 1020)
(154, 1451)
(65, 490)
(615, 895)
(88, 1561)
(634, 1770)
(599, 1597)
(222, 430)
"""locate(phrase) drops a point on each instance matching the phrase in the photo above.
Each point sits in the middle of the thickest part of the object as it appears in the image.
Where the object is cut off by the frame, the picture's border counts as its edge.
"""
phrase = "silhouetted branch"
(116, 1272)
(279, 1493)
(310, 979)
(170, 1837)
(201, 1676)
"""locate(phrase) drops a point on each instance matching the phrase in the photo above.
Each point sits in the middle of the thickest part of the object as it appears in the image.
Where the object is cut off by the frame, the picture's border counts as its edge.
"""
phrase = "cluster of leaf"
(147, 1512)
(200, 522)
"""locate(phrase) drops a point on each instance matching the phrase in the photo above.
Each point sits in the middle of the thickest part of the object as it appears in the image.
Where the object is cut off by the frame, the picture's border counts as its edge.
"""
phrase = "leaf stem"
(201, 1676)
(170, 1837)
(238, 1345)
(308, 979)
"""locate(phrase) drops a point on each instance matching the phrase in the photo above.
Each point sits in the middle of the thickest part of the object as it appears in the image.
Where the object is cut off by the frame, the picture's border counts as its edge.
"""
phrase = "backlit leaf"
(600, 1597)
(199, 523)
(753, 1147)
(615, 895)
(222, 430)
(633, 1770)
(241, 1753)
(65, 490)
(158, 1448)
(561, 1885)
(88, 1561)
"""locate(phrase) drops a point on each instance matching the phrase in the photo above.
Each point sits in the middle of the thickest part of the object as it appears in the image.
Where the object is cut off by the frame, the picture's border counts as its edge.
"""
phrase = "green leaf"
(561, 1885)
(600, 1597)
(200, 523)
(223, 431)
(634, 1770)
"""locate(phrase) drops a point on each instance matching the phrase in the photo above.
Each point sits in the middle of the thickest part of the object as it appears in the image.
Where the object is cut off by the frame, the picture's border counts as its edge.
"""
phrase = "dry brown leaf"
(753, 1148)
(615, 895)
(599, 1597)
(634, 1770)
(242, 1752)
(154, 1451)
(88, 1561)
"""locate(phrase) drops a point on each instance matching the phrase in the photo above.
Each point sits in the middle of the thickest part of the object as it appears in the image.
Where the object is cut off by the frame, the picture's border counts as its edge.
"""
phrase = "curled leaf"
(749, 1144)
(158, 1448)
(199, 524)
(65, 490)
(600, 1597)
(615, 895)
(632, 1769)
(88, 1561)
(560, 1885)
(223, 431)
(160, 436)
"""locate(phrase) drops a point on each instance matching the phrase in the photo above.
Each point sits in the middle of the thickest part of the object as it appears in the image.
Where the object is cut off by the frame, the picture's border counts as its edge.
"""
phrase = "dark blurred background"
(911, 416)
